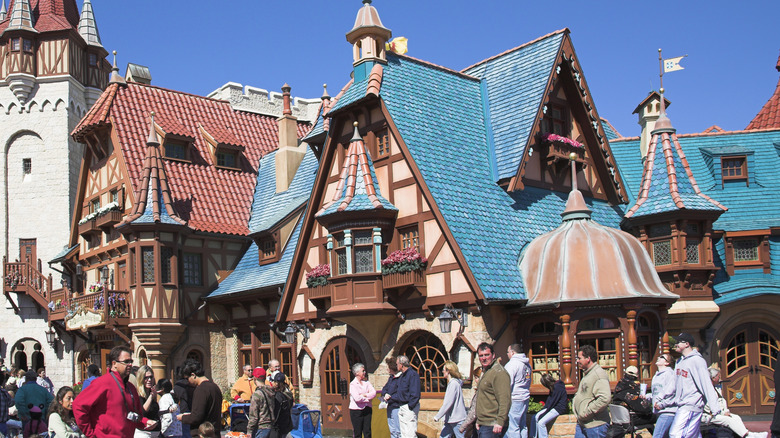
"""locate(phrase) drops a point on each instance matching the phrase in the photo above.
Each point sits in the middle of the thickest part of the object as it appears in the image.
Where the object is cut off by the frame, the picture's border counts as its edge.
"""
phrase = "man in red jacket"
(110, 406)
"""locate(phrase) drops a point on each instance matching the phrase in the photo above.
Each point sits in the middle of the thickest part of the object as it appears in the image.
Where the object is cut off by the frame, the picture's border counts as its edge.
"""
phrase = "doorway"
(747, 367)
(28, 252)
(335, 374)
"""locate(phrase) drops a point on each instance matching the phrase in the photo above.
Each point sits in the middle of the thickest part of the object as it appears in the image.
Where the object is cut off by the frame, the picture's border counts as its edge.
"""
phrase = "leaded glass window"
(692, 251)
(165, 264)
(410, 238)
(736, 354)
(364, 251)
(662, 253)
(745, 250)
(147, 260)
(767, 349)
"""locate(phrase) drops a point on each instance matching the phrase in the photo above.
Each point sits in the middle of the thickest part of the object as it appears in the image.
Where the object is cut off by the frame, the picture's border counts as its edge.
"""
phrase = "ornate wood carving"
(566, 350)
(633, 357)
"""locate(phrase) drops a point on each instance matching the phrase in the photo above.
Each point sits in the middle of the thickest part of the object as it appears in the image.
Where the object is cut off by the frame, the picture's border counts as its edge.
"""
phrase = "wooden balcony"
(560, 152)
(23, 277)
(357, 294)
(106, 307)
(108, 220)
(404, 279)
(88, 228)
(58, 306)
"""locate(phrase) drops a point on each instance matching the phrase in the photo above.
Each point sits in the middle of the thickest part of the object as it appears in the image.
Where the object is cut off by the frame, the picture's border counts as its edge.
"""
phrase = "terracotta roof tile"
(210, 199)
(51, 15)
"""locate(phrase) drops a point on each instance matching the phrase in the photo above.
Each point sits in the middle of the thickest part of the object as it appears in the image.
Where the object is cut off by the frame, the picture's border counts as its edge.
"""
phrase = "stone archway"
(27, 354)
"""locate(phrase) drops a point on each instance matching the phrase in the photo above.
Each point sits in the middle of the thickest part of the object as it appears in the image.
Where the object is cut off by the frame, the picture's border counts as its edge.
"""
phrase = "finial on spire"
(356, 135)
(153, 140)
(572, 157)
(366, 2)
(325, 95)
(116, 78)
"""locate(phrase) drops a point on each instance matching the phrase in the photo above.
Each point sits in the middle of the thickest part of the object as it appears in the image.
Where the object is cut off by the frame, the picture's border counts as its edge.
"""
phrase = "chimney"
(290, 154)
(648, 112)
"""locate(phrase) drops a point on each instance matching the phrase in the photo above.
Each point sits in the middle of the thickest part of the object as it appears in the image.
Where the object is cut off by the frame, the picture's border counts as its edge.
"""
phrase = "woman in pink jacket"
(361, 392)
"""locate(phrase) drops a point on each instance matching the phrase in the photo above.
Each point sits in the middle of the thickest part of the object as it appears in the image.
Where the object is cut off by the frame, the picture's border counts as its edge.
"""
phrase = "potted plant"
(318, 276)
(403, 260)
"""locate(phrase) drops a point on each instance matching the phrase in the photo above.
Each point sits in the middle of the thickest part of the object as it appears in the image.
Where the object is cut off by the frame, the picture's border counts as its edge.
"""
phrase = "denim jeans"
(487, 432)
(452, 430)
(393, 423)
(262, 433)
(185, 431)
(517, 427)
(591, 432)
(538, 427)
(662, 425)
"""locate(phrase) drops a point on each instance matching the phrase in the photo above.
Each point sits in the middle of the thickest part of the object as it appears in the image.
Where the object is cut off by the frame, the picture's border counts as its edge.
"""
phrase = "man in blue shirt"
(94, 372)
(408, 396)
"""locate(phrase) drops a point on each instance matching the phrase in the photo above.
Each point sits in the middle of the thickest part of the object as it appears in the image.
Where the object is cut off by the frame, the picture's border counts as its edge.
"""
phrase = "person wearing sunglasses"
(110, 406)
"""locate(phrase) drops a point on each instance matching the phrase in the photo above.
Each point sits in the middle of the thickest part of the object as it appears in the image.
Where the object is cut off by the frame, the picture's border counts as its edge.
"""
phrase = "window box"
(88, 228)
(108, 219)
(319, 292)
(403, 279)
(560, 149)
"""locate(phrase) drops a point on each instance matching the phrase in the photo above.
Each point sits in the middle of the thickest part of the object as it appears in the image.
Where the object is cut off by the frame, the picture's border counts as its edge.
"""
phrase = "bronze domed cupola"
(582, 262)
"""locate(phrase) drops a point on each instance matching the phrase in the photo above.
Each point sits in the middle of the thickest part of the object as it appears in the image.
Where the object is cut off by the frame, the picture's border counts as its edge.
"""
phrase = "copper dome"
(583, 261)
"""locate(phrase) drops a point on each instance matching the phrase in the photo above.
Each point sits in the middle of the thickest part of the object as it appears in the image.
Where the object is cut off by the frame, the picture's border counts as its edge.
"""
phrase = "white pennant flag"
(673, 64)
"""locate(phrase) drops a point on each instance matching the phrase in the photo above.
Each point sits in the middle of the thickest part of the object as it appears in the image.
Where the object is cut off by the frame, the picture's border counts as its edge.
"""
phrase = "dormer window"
(227, 159)
(382, 144)
(747, 252)
(267, 247)
(176, 149)
(734, 168)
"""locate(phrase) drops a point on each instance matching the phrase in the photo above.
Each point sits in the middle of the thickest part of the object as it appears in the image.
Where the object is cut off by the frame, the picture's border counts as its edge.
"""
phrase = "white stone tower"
(52, 69)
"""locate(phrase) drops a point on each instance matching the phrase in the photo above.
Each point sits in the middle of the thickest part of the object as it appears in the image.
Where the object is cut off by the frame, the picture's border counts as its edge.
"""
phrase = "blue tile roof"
(355, 92)
(611, 134)
(319, 127)
(148, 216)
(61, 255)
(249, 276)
(753, 207)
(739, 198)
(269, 207)
(659, 196)
(515, 83)
(489, 225)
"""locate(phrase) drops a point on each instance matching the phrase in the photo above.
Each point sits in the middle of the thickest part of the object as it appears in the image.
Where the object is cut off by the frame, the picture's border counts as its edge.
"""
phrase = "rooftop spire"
(325, 95)
(576, 208)
(116, 78)
(769, 115)
(154, 203)
(3, 12)
(88, 26)
(21, 17)
(358, 189)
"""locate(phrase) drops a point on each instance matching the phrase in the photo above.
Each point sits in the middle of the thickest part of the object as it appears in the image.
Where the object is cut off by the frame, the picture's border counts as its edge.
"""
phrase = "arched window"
(544, 351)
(195, 355)
(19, 357)
(427, 355)
(142, 360)
(604, 335)
(37, 358)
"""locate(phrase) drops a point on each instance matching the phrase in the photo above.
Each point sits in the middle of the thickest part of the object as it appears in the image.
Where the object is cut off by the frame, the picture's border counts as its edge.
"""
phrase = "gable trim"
(488, 129)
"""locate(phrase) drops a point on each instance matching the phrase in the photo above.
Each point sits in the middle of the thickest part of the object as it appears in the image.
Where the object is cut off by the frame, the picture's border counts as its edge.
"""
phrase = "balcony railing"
(25, 278)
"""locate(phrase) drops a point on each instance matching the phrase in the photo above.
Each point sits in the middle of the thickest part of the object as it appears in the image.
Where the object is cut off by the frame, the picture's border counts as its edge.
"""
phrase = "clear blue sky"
(196, 46)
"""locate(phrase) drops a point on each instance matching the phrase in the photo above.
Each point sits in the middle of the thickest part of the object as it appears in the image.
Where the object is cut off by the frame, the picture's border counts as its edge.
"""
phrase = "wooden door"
(28, 252)
(121, 276)
(335, 375)
(748, 363)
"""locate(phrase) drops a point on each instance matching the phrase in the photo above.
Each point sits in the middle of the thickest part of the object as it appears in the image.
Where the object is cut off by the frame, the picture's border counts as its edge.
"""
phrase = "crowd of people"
(111, 405)
(684, 396)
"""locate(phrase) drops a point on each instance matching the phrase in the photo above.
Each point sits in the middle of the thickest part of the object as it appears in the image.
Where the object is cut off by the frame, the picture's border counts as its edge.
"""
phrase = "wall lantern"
(294, 328)
(448, 314)
(51, 337)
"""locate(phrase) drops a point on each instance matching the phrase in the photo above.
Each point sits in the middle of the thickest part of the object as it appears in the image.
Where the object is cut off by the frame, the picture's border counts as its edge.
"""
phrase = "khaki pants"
(408, 419)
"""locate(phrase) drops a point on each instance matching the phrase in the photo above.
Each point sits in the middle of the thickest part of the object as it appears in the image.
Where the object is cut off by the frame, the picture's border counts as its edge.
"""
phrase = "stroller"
(239, 419)
(306, 422)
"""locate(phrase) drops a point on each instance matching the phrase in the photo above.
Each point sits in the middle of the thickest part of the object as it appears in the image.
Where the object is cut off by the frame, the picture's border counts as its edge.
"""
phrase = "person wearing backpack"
(281, 423)
(261, 405)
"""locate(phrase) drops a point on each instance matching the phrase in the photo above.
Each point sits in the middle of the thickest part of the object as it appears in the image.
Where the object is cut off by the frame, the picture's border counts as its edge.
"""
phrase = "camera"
(134, 417)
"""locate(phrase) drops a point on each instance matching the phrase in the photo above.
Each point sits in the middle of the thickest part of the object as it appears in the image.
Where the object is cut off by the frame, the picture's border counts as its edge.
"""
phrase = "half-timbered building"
(52, 69)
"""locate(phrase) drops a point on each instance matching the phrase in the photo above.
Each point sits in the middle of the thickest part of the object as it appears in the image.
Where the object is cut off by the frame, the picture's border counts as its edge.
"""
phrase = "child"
(206, 430)
(169, 409)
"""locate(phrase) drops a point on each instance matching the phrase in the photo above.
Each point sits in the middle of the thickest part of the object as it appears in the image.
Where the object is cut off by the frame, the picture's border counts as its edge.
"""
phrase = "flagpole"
(661, 75)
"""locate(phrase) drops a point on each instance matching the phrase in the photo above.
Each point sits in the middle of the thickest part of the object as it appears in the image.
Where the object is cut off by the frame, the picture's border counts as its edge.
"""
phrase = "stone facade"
(260, 101)
(35, 138)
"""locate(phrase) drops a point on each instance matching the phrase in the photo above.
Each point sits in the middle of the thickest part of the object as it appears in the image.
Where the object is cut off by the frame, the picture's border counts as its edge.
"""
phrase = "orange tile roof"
(769, 116)
(211, 199)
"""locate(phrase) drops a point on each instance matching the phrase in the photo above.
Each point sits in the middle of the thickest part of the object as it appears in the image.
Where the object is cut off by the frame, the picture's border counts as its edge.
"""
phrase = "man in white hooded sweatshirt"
(519, 370)
(693, 386)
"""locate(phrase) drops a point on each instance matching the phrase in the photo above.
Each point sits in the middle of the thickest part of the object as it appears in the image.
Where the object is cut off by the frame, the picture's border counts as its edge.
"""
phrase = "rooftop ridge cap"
(565, 30)
(439, 67)
(705, 134)
(179, 92)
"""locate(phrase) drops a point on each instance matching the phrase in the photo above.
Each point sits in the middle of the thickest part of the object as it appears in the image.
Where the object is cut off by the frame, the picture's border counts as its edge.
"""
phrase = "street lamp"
(51, 337)
(292, 329)
(448, 314)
